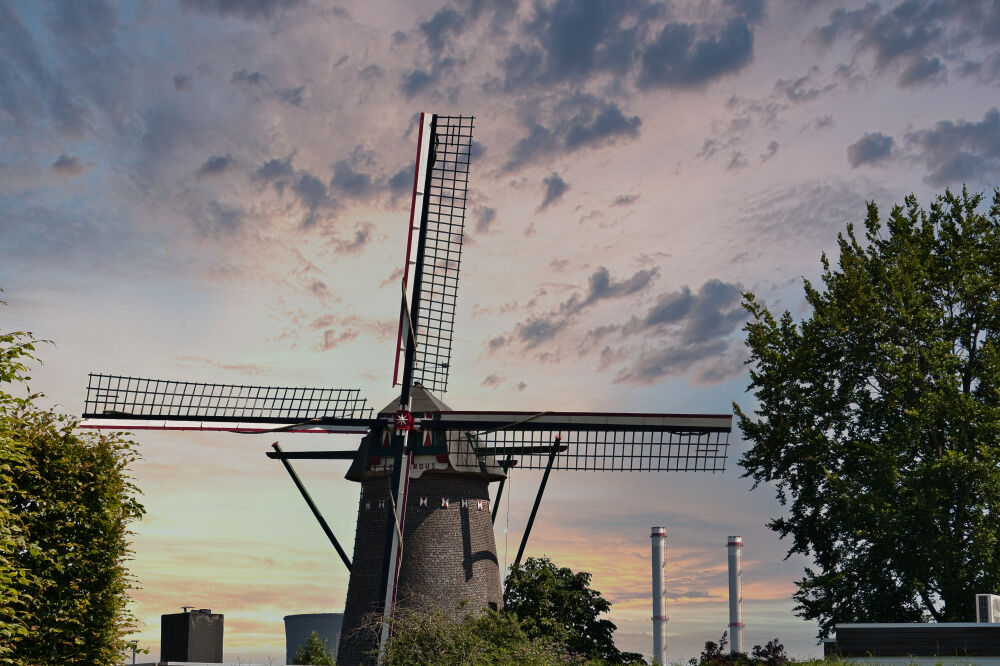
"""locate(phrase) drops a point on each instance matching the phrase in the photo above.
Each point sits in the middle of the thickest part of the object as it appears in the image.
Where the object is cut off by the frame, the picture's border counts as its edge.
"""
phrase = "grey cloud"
(246, 77)
(493, 380)
(959, 151)
(567, 42)
(320, 290)
(824, 122)
(215, 165)
(332, 338)
(715, 312)
(625, 200)
(915, 37)
(350, 183)
(670, 308)
(681, 58)
(695, 330)
(921, 71)
(362, 236)
(245, 9)
(401, 182)
(29, 90)
(311, 191)
(737, 161)
(571, 40)
(485, 218)
(219, 220)
(872, 148)
(496, 343)
(415, 82)
(275, 171)
(772, 150)
(803, 89)
(292, 96)
(652, 366)
(845, 21)
(602, 286)
(68, 165)
(539, 329)
(182, 82)
(447, 21)
(555, 188)
(370, 73)
(608, 123)
(576, 122)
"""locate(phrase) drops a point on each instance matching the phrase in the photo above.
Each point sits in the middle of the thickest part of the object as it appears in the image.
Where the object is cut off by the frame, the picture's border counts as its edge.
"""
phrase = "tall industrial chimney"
(735, 545)
(659, 537)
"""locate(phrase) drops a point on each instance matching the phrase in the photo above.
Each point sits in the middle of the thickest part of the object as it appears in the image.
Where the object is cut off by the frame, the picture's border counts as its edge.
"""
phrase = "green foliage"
(558, 604)
(715, 654)
(878, 417)
(314, 652)
(478, 640)
(66, 502)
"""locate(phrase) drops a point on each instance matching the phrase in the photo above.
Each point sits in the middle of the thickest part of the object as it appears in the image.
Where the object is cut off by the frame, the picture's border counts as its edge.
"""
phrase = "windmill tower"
(424, 536)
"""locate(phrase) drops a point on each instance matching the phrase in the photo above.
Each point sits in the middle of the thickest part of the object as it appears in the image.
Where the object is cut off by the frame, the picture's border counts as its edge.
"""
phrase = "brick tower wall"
(449, 559)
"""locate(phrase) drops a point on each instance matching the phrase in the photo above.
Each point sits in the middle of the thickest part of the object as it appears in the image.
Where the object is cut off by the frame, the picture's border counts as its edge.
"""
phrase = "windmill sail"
(437, 224)
(594, 441)
(178, 405)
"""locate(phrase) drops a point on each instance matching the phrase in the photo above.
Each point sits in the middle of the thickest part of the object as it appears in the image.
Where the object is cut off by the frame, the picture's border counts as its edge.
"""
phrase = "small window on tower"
(492, 605)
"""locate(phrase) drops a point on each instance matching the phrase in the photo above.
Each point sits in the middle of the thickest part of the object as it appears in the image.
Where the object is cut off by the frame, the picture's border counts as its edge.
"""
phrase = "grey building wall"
(449, 561)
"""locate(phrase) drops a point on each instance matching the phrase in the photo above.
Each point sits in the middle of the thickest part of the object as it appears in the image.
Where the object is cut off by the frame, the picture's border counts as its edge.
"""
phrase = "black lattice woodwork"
(607, 450)
(119, 397)
(444, 227)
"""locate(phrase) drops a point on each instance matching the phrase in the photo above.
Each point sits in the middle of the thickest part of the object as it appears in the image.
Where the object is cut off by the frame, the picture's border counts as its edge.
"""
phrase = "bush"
(66, 503)
(715, 654)
(493, 637)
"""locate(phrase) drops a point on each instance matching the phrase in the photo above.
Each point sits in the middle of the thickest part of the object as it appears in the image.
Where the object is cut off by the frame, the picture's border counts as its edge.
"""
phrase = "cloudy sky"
(218, 190)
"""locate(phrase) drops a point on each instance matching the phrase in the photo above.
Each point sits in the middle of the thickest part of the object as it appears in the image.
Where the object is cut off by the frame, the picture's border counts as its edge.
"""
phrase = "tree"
(558, 604)
(878, 417)
(66, 503)
(314, 651)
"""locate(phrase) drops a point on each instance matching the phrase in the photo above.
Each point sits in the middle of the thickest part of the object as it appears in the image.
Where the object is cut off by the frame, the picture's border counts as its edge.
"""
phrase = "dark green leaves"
(878, 417)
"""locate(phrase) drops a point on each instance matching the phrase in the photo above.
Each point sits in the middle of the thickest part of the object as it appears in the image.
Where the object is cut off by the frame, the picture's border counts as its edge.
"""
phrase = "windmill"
(424, 536)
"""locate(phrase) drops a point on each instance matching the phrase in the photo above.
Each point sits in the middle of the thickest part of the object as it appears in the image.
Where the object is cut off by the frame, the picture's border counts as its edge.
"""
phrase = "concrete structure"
(298, 627)
(974, 642)
(659, 537)
(194, 635)
(735, 547)
(449, 561)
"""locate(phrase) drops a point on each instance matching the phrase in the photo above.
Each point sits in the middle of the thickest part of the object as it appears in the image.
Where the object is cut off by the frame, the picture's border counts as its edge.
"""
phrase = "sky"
(218, 190)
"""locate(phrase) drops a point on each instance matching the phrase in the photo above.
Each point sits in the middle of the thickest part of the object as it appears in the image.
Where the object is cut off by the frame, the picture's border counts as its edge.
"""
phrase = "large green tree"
(557, 603)
(877, 417)
(66, 503)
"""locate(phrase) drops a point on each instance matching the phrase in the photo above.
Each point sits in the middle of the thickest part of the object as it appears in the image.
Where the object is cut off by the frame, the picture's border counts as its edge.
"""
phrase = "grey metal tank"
(449, 559)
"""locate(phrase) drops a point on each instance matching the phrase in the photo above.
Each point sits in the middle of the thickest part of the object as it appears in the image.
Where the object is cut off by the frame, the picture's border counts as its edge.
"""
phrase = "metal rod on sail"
(312, 506)
(505, 465)
(538, 500)
(401, 470)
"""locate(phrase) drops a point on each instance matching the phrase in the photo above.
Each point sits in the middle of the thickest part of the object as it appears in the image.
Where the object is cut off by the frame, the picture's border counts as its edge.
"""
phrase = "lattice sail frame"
(440, 224)
(122, 397)
(609, 450)
(591, 441)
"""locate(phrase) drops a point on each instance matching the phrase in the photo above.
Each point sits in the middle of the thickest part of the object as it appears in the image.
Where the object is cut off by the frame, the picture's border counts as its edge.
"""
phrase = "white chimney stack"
(659, 537)
(735, 546)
